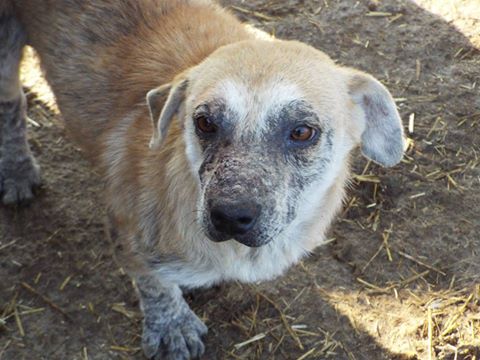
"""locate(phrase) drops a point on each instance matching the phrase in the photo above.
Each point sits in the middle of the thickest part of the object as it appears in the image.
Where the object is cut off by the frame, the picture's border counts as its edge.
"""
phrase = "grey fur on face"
(264, 172)
(19, 173)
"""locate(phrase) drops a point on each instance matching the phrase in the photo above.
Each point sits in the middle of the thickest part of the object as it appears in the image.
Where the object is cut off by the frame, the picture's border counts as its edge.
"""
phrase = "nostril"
(244, 220)
(217, 215)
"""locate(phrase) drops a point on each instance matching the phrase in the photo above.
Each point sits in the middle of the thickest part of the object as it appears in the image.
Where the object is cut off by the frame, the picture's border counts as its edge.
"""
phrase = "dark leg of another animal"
(19, 172)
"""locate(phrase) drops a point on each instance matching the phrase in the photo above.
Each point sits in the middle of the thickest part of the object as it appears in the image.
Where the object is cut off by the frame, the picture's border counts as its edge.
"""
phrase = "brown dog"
(232, 168)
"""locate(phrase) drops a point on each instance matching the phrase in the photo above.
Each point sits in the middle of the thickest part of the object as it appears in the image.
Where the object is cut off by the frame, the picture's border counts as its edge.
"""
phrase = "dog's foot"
(18, 177)
(180, 339)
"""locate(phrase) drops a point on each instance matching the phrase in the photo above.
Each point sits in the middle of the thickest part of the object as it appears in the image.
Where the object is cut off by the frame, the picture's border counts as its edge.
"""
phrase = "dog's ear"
(382, 138)
(164, 103)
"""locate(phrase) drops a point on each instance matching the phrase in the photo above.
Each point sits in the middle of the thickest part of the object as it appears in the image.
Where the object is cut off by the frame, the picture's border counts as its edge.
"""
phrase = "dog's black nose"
(234, 219)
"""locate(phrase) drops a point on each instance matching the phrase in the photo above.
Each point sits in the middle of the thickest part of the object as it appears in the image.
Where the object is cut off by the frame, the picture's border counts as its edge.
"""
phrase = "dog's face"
(268, 129)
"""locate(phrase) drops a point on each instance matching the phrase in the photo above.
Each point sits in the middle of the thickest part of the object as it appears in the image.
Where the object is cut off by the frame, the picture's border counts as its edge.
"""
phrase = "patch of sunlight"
(415, 323)
(32, 78)
(464, 14)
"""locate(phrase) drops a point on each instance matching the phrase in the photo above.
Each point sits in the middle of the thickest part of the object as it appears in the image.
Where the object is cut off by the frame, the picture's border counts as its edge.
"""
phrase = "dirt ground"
(400, 276)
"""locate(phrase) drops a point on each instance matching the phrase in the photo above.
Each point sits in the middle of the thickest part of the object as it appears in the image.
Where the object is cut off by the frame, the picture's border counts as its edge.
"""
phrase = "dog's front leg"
(171, 330)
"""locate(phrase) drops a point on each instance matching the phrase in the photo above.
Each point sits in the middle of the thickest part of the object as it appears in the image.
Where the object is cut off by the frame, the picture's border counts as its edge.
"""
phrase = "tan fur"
(152, 52)
(101, 81)
(111, 74)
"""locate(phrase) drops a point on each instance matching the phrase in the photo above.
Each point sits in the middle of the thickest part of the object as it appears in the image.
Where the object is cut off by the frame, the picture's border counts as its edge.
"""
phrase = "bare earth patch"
(400, 276)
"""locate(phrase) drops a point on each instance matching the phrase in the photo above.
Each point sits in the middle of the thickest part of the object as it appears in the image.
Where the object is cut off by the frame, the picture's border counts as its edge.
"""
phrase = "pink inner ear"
(162, 111)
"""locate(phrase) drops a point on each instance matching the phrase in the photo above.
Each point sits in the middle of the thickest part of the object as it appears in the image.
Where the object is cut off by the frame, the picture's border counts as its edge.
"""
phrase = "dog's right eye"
(303, 133)
(204, 124)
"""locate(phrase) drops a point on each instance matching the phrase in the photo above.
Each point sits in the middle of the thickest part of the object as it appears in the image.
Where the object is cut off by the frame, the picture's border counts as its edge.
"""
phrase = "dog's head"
(268, 127)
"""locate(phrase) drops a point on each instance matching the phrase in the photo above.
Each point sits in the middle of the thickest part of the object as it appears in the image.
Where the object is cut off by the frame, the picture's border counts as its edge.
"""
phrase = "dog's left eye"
(303, 133)
(204, 124)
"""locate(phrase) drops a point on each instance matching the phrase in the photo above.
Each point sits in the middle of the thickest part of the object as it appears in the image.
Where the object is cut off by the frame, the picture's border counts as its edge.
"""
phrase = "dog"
(224, 154)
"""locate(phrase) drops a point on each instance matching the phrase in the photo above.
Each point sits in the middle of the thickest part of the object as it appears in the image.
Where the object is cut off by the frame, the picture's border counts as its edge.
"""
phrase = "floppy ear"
(382, 138)
(164, 103)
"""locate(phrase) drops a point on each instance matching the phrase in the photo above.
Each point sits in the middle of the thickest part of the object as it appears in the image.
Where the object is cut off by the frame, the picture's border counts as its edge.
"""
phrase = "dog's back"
(101, 58)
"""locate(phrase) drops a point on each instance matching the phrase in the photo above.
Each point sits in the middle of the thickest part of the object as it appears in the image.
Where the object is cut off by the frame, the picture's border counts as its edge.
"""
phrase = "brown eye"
(302, 133)
(204, 124)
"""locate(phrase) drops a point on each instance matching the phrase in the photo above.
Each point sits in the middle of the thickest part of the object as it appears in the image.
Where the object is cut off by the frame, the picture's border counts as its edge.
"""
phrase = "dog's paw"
(17, 180)
(179, 339)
